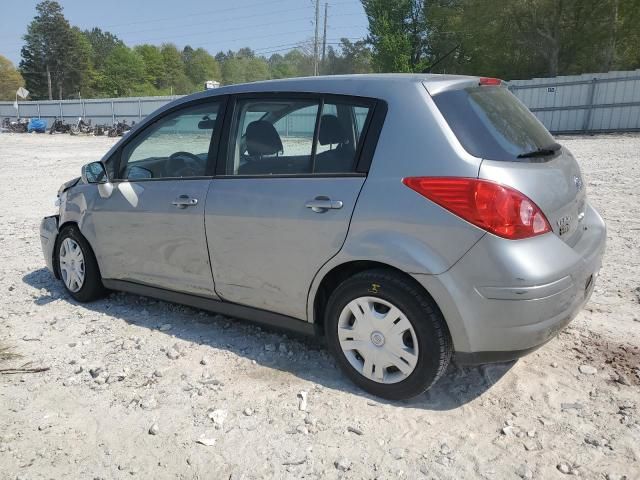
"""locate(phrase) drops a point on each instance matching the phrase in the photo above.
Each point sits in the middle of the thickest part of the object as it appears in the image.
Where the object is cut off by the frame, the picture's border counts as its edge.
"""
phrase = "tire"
(422, 347)
(90, 288)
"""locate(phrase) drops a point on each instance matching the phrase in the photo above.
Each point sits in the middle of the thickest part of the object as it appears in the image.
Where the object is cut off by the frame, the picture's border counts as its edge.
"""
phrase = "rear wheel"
(78, 266)
(387, 335)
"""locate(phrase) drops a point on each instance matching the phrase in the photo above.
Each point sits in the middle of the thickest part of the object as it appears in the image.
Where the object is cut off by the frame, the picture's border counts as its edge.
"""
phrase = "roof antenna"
(430, 67)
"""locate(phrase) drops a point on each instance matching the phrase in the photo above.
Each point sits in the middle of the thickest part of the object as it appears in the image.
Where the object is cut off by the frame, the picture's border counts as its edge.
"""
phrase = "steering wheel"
(184, 164)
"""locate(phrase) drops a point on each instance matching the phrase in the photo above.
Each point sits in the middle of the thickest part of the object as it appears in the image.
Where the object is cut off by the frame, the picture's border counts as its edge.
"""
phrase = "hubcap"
(378, 340)
(71, 264)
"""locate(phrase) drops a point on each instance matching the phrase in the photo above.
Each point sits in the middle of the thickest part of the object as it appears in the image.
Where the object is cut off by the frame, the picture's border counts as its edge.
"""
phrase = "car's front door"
(283, 196)
(151, 226)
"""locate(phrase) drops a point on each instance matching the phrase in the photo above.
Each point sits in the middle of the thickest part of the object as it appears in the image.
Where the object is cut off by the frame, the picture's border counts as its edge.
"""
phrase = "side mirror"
(94, 172)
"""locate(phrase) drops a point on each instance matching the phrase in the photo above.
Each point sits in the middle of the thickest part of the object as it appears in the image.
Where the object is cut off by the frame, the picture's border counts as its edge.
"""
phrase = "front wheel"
(78, 267)
(387, 334)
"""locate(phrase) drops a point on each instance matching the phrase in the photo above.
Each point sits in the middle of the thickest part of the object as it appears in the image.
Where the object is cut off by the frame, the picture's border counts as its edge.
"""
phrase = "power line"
(204, 14)
(244, 39)
(217, 12)
(260, 52)
(209, 32)
(173, 18)
(188, 25)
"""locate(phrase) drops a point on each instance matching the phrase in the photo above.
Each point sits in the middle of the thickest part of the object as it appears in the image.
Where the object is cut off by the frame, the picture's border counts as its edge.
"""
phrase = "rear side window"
(492, 123)
(282, 136)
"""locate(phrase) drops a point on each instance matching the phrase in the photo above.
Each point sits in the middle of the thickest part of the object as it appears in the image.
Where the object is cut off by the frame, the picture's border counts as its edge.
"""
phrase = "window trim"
(366, 148)
(216, 137)
(371, 132)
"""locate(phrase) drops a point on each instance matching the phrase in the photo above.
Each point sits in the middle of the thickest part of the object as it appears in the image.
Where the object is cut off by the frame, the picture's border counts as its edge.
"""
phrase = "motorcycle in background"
(81, 127)
(120, 128)
(59, 126)
(100, 130)
(15, 126)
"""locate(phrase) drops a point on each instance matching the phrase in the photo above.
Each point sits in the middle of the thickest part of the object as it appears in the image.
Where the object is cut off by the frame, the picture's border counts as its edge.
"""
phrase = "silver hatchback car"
(407, 219)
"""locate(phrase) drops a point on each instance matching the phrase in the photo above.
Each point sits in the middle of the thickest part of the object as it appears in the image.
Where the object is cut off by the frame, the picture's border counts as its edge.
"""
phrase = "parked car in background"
(408, 219)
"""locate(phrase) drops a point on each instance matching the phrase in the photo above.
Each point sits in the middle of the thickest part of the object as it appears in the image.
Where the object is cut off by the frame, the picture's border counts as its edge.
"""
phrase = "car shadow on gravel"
(304, 357)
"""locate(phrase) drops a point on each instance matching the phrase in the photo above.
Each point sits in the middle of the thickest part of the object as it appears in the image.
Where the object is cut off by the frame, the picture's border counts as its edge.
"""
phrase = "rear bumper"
(504, 298)
(48, 236)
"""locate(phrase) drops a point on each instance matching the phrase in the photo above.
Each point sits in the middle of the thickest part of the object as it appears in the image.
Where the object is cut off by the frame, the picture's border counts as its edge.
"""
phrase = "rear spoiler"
(436, 86)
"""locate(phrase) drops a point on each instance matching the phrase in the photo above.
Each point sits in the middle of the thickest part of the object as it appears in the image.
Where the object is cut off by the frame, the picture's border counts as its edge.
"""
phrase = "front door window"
(176, 146)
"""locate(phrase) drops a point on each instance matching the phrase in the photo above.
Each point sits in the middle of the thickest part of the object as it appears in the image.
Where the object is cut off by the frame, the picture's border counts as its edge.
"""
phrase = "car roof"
(381, 85)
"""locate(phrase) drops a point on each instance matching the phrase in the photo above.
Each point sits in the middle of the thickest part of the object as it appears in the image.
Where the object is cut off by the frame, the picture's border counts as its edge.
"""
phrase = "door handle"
(184, 201)
(322, 204)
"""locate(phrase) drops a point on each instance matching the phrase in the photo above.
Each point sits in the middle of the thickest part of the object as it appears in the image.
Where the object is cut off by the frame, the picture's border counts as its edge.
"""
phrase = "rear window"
(491, 123)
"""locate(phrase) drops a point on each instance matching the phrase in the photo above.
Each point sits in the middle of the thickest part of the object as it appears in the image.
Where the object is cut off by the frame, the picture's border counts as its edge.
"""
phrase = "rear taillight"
(487, 81)
(495, 208)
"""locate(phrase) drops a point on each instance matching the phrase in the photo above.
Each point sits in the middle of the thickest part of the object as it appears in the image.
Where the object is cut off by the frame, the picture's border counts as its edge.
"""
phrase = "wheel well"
(342, 272)
(61, 228)
(64, 226)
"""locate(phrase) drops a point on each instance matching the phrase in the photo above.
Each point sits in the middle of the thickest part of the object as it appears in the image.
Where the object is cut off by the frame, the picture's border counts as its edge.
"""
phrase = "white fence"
(99, 111)
(589, 103)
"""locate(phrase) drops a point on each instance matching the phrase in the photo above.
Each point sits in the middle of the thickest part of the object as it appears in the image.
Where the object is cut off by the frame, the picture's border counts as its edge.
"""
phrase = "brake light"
(496, 208)
(486, 81)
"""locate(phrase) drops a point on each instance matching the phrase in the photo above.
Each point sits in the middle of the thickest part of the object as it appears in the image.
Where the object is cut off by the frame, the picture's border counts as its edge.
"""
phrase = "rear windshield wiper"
(541, 152)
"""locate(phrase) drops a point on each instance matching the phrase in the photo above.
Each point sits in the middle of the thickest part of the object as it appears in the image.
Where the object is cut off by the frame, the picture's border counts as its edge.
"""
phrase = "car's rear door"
(150, 228)
(286, 185)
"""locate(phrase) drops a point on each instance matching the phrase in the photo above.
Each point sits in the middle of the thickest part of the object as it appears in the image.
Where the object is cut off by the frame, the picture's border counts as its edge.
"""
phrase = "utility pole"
(324, 35)
(315, 43)
(49, 82)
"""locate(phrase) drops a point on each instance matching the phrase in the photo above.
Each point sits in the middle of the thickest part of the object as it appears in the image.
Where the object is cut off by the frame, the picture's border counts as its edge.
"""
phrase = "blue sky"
(266, 26)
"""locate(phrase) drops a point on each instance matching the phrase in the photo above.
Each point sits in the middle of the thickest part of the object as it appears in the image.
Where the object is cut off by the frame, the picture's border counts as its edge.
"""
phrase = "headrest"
(262, 139)
(331, 131)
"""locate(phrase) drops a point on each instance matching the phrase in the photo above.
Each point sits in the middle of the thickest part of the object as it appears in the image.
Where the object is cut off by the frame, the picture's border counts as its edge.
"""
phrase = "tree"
(280, 68)
(243, 66)
(256, 68)
(350, 57)
(200, 66)
(10, 79)
(627, 40)
(153, 63)
(397, 33)
(173, 77)
(102, 44)
(295, 63)
(81, 73)
(504, 38)
(124, 74)
(54, 55)
(529, 38)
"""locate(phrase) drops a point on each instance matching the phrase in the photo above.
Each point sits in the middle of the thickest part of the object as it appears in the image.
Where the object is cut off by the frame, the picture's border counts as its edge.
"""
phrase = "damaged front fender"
(48, 237)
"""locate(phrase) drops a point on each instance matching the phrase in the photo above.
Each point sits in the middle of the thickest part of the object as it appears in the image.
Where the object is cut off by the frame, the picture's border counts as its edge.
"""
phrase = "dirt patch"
(620, 360)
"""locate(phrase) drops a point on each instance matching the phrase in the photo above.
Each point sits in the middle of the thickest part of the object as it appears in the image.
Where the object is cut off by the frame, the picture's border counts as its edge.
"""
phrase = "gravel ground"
(142, 389)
